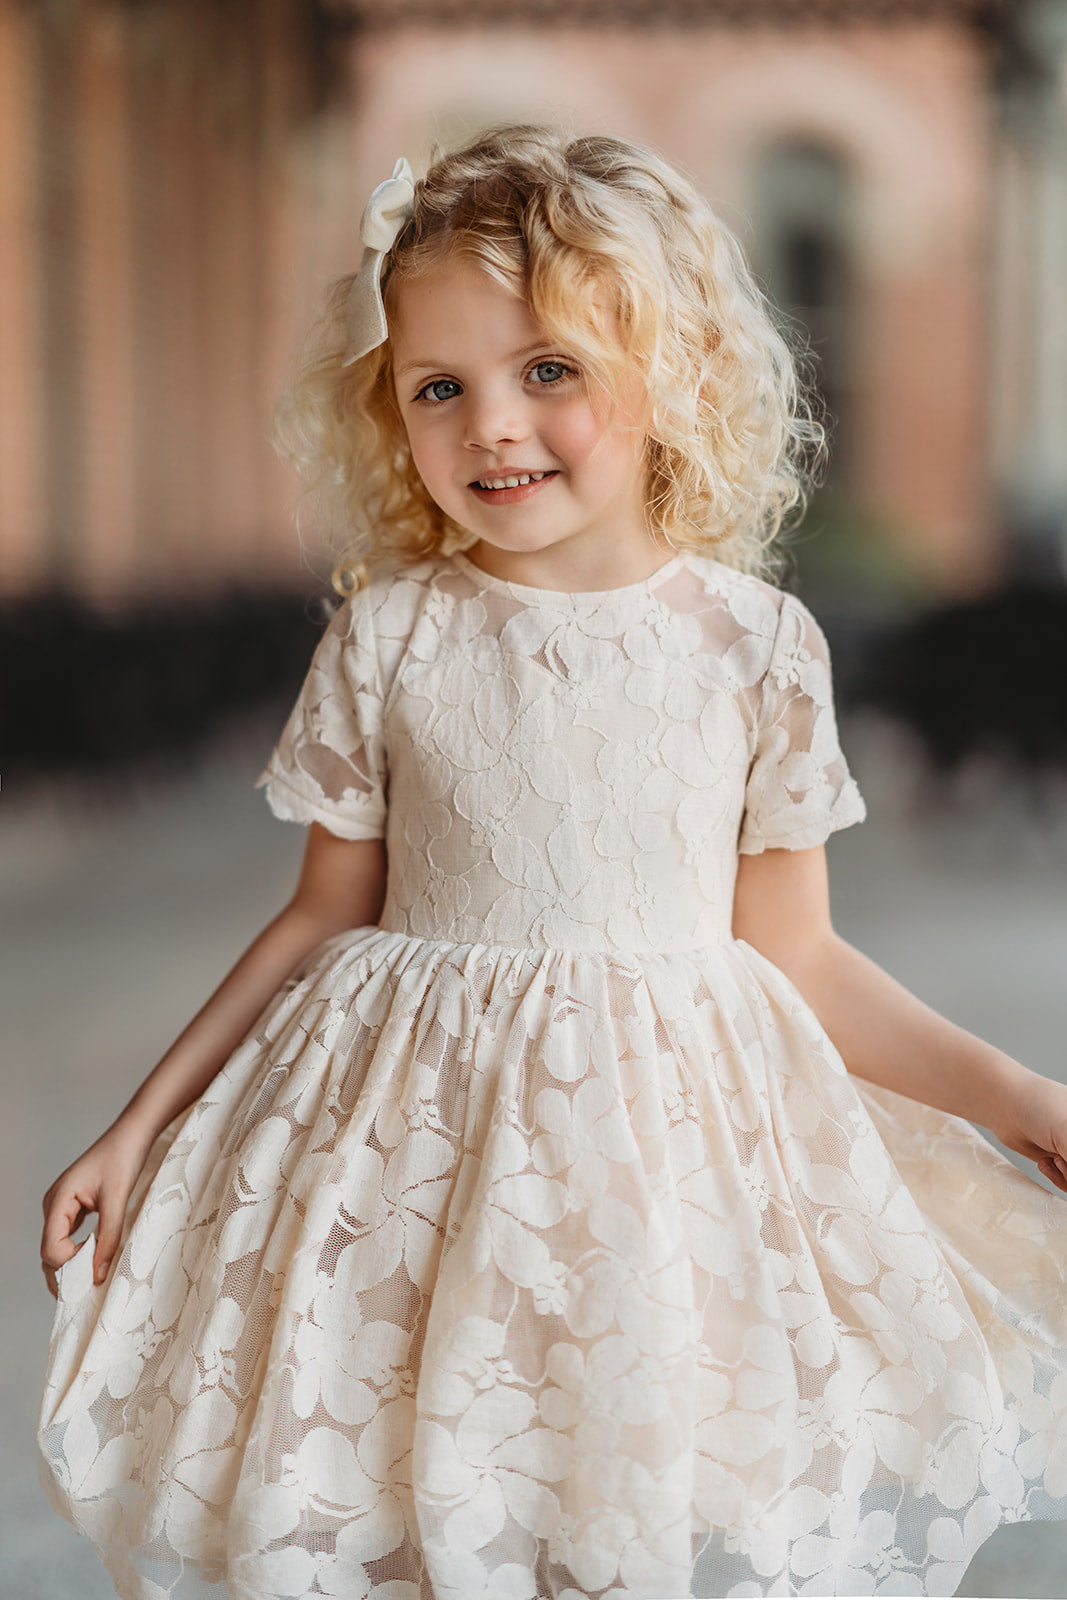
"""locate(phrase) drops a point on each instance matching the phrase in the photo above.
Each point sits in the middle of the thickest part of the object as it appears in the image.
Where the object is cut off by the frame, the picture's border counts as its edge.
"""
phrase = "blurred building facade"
(154, 224)
(178, 178)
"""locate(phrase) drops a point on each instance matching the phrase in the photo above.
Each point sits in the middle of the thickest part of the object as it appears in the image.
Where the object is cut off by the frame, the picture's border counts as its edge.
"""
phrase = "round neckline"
(565, 597)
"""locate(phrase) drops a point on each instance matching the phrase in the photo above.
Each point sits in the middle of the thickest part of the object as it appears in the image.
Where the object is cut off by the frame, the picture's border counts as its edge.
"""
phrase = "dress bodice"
(570, 771)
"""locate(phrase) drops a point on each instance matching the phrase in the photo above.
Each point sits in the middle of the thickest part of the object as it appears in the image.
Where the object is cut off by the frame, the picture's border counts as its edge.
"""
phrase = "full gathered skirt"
(487, 1273)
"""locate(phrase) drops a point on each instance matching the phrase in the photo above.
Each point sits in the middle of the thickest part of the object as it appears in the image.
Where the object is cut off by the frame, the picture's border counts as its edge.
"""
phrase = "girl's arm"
(341, 885)
(883, 1033)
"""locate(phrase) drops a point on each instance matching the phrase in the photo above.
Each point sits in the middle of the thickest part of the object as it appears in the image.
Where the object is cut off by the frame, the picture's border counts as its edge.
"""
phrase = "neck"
(572, 572)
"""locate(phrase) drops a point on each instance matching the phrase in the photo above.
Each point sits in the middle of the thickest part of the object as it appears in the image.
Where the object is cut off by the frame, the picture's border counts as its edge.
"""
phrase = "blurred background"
(179, 179)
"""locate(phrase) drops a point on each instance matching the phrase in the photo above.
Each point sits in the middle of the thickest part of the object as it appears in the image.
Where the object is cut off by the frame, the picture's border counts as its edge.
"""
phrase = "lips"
(508, 488)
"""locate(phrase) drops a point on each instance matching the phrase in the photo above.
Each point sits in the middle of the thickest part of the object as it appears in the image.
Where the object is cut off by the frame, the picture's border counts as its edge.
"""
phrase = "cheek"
(577, 433)
(426, 450)
(618, 456)
(615, 445)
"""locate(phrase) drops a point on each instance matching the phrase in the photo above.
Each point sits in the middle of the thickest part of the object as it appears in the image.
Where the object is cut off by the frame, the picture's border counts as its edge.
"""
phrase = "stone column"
(107, 553)
(22, 533)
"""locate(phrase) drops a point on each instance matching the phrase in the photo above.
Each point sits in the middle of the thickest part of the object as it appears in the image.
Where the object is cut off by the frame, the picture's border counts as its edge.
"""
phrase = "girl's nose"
(493, 418)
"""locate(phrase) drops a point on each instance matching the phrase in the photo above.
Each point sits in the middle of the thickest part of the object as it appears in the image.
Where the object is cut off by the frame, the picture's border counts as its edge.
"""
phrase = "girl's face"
(509, 442)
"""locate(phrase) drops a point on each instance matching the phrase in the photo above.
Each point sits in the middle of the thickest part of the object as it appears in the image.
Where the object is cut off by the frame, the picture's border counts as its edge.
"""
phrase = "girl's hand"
(342, 885)
(1035, 1124)
(100, 1181)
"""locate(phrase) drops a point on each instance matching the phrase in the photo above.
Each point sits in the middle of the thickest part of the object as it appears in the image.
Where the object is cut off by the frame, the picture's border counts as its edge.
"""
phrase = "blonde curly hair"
(627, 267)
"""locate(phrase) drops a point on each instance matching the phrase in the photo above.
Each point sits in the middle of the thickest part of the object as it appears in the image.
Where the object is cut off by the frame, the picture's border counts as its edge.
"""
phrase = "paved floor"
(119, 913)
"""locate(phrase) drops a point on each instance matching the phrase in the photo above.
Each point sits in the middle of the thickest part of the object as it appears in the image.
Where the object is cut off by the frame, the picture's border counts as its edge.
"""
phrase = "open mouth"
(511, 488)
(516, 480)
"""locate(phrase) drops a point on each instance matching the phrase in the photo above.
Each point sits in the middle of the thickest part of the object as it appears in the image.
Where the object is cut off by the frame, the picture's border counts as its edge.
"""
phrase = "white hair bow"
(388, 208)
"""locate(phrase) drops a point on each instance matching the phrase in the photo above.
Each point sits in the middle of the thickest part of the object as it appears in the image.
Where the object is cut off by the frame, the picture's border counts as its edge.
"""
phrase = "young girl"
(580, 1217)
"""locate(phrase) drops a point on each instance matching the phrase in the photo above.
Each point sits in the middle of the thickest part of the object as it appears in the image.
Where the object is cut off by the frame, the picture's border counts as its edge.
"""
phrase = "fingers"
(50, 1277)
(66, 1206)
(57, 1247)
(64, 1218)
(64, 1215)
(1054, 1168)
(100, 1181)
(108, 1234)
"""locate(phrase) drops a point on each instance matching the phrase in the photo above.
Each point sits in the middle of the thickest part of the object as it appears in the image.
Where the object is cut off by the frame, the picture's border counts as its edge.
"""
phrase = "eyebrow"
(442, 366)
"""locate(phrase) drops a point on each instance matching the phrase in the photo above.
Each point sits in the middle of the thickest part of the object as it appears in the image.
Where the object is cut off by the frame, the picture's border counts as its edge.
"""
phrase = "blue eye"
(547, 372)
(439, 390)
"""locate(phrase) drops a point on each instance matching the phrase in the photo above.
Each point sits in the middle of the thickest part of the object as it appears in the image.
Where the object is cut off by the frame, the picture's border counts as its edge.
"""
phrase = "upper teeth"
(510, 483)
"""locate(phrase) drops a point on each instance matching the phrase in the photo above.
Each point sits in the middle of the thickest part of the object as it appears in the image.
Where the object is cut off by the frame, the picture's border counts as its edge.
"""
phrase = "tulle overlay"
(566, 1262)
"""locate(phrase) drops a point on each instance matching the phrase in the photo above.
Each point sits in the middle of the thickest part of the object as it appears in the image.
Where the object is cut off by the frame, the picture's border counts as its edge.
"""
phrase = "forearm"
(202, 1048)
(342, 885)
(886, 1035)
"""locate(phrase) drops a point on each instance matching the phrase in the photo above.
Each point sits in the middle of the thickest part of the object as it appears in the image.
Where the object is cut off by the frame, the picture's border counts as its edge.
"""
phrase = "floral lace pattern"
(536, 1245)
(577, 771)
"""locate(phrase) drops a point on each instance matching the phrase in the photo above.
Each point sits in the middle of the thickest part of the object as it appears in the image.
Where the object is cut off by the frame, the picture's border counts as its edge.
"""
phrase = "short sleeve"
(330, 763)
(799, 788)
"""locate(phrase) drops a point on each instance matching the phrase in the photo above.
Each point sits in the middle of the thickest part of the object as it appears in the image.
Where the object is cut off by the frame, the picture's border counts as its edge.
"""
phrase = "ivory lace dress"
(536, 1243)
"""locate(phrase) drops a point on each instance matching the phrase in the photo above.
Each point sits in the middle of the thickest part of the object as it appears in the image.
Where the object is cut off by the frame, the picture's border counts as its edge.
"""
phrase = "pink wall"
(178, 203)
(153, 264)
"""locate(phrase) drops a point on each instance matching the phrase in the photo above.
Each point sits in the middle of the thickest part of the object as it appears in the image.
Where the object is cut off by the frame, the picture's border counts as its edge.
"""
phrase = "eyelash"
(423, 395)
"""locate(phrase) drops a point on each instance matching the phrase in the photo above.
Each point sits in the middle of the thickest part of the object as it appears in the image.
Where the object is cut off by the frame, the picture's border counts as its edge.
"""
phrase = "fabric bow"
(388, 208)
